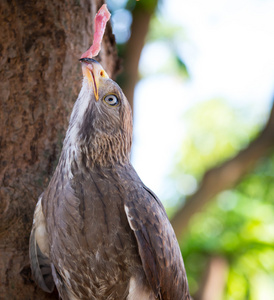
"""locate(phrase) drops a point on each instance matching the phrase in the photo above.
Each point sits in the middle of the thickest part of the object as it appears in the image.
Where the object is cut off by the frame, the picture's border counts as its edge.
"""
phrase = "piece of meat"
(100, 22)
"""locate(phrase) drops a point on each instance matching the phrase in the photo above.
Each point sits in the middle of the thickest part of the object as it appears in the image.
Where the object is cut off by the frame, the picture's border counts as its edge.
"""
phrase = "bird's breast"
(92, 245)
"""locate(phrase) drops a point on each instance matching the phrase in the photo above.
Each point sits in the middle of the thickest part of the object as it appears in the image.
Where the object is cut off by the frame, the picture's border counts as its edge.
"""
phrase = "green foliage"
(161, 29)
(214, 133)
(238, 227)
(239, 223)
(143, 5)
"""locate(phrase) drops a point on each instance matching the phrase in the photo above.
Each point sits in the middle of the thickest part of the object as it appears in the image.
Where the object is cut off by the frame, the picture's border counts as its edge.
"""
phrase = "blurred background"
(204, 132)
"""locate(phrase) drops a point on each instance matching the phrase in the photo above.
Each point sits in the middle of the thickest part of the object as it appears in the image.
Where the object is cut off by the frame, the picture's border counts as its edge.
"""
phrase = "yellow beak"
(93, 71)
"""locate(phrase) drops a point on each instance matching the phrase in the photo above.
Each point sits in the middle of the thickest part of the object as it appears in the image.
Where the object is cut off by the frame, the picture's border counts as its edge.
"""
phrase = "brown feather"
(108, 235)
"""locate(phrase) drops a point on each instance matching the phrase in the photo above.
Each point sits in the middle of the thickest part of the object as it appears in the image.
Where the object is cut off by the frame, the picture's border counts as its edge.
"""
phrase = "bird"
(98, 232)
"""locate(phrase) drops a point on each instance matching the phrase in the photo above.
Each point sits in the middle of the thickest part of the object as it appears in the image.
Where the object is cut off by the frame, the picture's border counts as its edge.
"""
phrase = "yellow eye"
(111, 100)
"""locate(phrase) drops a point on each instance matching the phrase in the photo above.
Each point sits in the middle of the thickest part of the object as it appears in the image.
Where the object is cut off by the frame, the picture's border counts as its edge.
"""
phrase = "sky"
(228, 48)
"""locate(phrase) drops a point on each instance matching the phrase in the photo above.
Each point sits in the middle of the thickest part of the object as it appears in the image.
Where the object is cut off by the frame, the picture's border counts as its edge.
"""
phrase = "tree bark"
(226, 175)
(40, 77)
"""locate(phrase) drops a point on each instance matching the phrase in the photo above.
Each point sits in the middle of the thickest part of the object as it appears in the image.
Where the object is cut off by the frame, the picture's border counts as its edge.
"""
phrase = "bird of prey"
(98, 231)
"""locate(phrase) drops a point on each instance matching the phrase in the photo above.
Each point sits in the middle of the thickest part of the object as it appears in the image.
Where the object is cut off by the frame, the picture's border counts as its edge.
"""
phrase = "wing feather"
(158, 247)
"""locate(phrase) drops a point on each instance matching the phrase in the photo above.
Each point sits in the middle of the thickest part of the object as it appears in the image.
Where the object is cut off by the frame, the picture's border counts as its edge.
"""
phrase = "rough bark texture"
(226, 175)
(40, 77)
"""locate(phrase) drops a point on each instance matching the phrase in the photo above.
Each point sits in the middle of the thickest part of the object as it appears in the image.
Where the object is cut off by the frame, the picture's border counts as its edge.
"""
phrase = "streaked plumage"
(98, 232)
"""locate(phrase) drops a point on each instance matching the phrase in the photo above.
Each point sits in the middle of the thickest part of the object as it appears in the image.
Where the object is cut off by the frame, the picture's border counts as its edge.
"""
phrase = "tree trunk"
(40, 77)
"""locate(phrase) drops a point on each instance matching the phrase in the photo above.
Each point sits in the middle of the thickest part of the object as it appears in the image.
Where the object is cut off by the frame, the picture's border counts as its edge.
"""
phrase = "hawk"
(98, 232)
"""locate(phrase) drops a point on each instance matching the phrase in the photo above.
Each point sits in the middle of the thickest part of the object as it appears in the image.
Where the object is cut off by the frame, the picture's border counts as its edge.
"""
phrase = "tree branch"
(226, 175)
(214, 280)
(141, 16)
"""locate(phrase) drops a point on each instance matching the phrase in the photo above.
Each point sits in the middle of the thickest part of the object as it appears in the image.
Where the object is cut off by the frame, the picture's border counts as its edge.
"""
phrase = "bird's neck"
(100, 150)
(105, 150)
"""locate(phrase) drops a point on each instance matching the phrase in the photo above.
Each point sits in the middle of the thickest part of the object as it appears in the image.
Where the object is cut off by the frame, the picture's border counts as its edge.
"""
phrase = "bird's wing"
(39, 251)
(158, 247)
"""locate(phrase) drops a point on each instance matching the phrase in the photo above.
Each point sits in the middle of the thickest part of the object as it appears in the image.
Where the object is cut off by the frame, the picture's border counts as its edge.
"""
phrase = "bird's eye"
(111, 100)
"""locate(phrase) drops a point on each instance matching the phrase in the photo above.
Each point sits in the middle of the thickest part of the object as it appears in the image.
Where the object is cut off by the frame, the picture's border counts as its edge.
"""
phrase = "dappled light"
(238, 224)
(221, 114)
(242, 233)
(199, 79)
(121, 22)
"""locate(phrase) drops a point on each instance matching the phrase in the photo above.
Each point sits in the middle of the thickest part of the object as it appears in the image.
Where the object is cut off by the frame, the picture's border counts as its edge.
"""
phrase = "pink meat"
(100, 22)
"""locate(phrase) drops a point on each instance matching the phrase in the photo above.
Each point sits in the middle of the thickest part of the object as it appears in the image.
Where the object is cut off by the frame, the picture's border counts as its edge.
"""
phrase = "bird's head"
(101, 121)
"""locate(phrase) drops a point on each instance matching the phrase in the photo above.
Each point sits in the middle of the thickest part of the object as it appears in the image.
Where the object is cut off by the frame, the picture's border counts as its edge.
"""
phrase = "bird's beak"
(93, 71)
